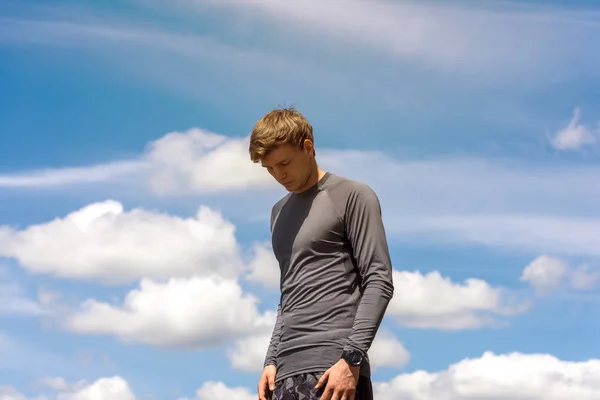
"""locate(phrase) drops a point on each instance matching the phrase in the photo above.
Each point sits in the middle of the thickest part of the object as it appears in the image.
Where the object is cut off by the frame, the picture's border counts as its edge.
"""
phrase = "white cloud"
(10, 393)
(574, 136)
(56, 383)
(52, 177)
(248, 354)
(513, 376)
(198, 161)
(264, 268)
(451, 37)
(387, 351)
(434, 301)
(179, 163)
(114, 387)
(86, 31)
(519, 233)
(13, 300)
(547, 274)
(111, 388)
(219, 391)
(584, 277)
(103, 241)
(194, 312)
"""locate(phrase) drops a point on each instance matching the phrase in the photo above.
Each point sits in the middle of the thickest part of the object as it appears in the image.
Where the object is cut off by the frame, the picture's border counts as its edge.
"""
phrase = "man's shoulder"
(343, 188)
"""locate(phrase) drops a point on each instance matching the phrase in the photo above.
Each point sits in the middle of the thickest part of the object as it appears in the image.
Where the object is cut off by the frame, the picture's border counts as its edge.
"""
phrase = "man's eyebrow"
(280, 162)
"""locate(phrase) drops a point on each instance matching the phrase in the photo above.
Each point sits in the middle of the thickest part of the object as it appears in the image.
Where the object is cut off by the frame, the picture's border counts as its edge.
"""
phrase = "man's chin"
(290, 186)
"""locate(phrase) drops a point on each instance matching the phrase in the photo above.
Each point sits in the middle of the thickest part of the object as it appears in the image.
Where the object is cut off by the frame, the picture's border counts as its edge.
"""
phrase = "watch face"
(357, 358)
(354, 358)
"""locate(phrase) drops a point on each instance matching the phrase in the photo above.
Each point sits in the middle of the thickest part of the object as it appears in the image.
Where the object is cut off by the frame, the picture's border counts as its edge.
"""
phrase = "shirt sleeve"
(366, 233)
(271, 357)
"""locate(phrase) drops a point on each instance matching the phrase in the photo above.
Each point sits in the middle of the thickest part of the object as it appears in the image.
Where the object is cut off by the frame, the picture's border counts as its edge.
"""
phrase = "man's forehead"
(277, 155)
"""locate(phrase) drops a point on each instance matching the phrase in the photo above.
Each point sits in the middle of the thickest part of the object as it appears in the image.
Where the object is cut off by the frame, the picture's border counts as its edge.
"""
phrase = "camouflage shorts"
(302, 387)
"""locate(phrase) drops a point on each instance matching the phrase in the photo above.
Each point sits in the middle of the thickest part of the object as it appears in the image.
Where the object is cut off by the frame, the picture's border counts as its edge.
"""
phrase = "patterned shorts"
(302, 387)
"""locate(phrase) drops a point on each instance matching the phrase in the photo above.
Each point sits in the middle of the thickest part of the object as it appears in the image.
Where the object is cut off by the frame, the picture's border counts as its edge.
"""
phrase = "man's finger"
(261, 392)
(271, 380)
(336, 395)
(327, 393)
(322, 379)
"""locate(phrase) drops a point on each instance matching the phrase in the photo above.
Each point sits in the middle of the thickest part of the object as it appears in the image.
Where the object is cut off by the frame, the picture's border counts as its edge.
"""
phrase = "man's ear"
(308, 146)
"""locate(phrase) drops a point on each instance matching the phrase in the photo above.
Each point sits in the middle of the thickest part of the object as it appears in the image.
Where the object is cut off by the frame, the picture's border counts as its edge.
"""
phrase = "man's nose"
(280, 174)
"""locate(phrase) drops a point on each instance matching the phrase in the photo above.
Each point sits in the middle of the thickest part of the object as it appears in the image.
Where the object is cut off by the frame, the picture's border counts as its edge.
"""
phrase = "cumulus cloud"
(573, 136)
(434, 301)
(388, 351)
(544, 273)
(199, 161)
(263, 267)
(113, 388)
(103, 241)
(547, 274)
(212, 390)
(514, 376)
(248, 354)
(181, 312)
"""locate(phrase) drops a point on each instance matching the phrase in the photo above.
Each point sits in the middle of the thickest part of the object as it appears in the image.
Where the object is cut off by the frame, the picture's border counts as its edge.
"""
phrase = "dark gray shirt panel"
(336, 275)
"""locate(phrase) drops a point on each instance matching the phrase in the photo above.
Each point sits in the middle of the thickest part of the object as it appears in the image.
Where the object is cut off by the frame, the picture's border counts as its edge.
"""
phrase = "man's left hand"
(341, 382)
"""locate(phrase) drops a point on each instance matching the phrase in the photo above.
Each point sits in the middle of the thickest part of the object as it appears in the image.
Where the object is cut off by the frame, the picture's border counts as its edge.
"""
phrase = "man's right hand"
(266, 385)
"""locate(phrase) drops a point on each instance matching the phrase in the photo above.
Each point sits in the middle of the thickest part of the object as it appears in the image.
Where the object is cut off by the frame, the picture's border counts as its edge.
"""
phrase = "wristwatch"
(353, 357)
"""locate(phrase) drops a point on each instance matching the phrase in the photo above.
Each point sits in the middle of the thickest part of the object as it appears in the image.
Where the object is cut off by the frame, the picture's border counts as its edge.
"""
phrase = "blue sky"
(127, 199)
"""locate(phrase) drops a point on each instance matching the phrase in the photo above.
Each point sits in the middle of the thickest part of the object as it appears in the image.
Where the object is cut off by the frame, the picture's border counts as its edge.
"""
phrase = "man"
(336, 275)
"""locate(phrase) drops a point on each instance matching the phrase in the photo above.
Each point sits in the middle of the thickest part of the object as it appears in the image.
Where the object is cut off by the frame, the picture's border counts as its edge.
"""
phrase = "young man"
(336, 274)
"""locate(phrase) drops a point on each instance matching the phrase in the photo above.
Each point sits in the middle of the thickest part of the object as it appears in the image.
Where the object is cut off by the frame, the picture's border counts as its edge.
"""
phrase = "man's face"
(289, 165)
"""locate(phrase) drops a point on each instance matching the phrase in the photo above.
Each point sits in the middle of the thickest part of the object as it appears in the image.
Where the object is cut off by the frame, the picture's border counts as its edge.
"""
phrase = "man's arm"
(365, 230)
(271, 357)
(266, 384)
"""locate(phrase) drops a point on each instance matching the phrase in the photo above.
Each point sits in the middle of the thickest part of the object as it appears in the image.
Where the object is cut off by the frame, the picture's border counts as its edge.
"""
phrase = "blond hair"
(277, 127)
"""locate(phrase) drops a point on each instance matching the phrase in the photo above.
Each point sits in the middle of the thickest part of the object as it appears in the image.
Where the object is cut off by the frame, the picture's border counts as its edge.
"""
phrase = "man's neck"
(314, 178)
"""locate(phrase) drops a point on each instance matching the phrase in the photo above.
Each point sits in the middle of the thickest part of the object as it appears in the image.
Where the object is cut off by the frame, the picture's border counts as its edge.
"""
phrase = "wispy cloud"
(57, 177)
(575, 135)
(116, 34)
(13, 300)
(458, 36)
(178, 60)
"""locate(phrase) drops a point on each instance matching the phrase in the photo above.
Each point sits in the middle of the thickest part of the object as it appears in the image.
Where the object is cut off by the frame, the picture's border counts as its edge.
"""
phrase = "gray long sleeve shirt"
(336, 275)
